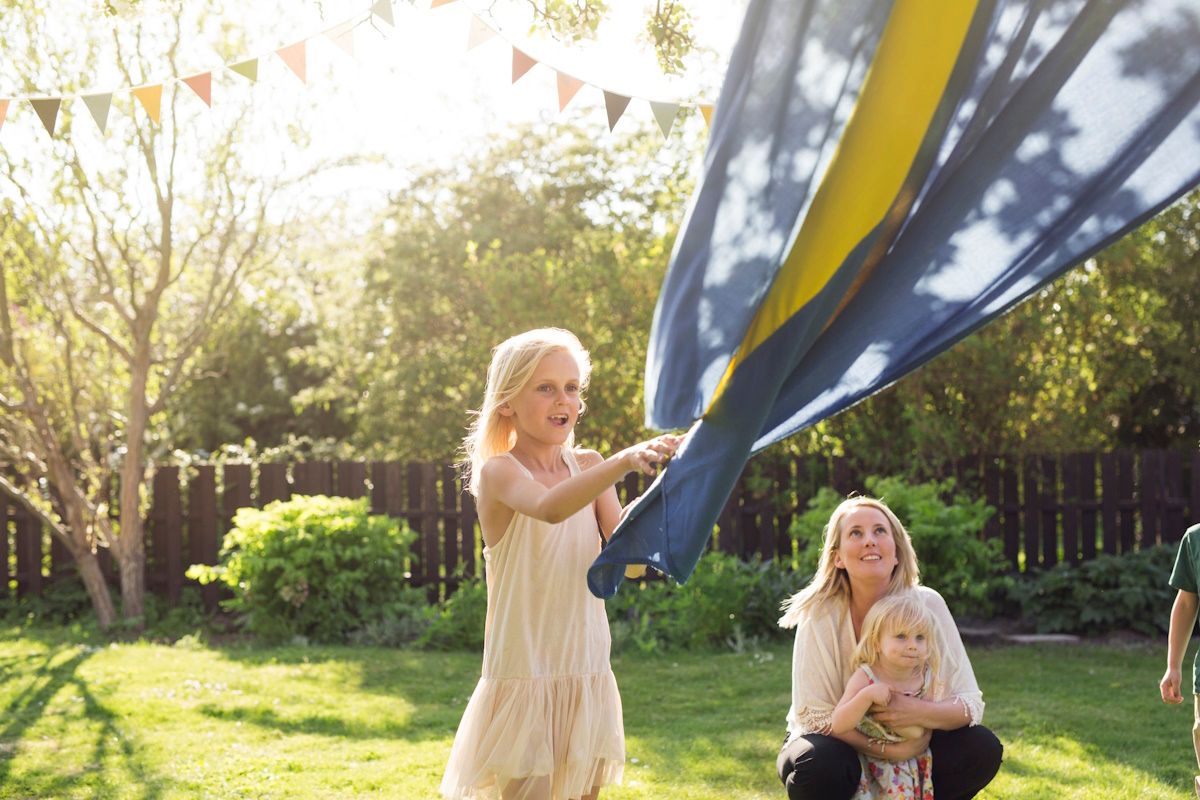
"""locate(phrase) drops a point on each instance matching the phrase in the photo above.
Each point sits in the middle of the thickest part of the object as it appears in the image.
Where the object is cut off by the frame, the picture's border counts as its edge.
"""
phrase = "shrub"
(727, 602)
(1105, 594)
(458, 623)
(969, 572)
(318, 567)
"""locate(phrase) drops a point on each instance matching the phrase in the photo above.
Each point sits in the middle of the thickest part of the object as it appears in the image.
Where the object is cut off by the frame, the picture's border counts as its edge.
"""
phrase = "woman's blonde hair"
(513, 363)
(831, 582)
(896, 613)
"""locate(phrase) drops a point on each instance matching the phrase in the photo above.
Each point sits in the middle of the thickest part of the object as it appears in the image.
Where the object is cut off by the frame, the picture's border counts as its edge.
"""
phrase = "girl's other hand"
(1168, 687)
(645, 457)
(880, 695)
(909, 748)
(901, 710)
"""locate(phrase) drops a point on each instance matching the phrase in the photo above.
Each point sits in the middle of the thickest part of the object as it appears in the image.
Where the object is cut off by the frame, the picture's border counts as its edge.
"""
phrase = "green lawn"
(155, 721)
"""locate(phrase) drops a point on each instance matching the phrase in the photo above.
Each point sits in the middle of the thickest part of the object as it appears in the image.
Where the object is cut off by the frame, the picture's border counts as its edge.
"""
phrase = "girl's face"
(866, 547)
(904, 649)
(546, 408)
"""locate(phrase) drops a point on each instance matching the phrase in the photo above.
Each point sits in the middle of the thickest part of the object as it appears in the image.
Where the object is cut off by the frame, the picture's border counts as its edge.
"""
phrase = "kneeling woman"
(867, 555)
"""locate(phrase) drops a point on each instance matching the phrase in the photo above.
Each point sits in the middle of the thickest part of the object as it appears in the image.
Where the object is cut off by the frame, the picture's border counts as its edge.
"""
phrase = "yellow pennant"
(706, 111)
(151, 99)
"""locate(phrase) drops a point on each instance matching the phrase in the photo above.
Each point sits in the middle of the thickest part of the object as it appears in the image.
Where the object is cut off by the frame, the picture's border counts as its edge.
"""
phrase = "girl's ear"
(505, 410)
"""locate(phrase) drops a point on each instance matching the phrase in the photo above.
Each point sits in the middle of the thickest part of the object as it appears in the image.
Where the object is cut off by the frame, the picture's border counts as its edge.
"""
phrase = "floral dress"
(911, 779)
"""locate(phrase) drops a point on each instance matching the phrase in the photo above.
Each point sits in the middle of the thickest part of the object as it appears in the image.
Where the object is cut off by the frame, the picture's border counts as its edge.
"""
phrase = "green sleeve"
(1183, 576)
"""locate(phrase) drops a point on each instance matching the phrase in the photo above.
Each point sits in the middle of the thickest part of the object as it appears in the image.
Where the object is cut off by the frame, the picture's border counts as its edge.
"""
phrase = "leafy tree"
(115, 267)
(544, 227)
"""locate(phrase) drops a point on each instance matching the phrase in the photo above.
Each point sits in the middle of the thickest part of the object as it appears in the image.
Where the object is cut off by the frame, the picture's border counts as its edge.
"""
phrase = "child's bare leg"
(528, 789)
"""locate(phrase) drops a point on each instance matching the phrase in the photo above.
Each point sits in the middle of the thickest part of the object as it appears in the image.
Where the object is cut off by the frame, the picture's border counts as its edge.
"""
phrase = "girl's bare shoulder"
(587, 458)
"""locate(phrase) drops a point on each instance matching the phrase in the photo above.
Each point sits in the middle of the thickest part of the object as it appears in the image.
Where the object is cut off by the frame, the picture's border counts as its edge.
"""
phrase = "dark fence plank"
(351, 479)
(1176, 503)
(29, 553)
(202, 526)
(1031, 514)
(272, 483)
(1011, 510)
(313, 478)
(469, 538)
(1127, 499)
(991, 494)
(1088, 504)
(1109, 503)
(451, 519)
(1070, 508)
(1048, 501)
(1150, 497)
(166, 519)
(5, 576)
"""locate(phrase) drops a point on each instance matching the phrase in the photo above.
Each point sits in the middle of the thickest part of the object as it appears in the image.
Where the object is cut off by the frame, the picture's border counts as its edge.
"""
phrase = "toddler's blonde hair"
(513, 363)
(895, 613)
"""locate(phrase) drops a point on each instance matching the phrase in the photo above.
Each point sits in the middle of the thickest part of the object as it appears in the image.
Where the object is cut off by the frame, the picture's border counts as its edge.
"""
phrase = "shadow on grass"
(29, 705)
(434, 685)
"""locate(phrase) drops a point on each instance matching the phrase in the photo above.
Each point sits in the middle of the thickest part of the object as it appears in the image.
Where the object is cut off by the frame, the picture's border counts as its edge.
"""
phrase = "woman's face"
(866, 546)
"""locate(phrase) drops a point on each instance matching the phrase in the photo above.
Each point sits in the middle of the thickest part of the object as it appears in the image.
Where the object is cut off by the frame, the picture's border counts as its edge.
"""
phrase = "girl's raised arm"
(856, 701)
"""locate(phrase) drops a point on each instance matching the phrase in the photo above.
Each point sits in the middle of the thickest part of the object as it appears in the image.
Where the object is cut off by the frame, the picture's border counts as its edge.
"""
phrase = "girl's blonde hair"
(831, 582)
(896, 613)
(513, 363)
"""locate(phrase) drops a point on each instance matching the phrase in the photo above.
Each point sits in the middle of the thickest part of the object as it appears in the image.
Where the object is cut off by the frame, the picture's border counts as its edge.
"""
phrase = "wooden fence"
(1048, 509)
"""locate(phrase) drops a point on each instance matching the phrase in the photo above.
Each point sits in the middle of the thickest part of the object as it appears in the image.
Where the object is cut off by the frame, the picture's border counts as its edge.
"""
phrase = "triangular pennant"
(567, 87)
(202, 85)
(437, 3)
(383, 10)
(664, 115)
(47, 110)
(615, 105)
(343, 37)
(521, 64)
(99, 104)
(294, 56)
(480, 33)
(706, 111)
(151, 99)
(247, 69)
(3, 111)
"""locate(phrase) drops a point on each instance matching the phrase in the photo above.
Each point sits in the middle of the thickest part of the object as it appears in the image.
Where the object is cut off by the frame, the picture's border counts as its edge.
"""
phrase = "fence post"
(1011, 510)
(1032, 513)
(1070, 507)
(272, 483)
(450, 524)
(1128, 500)
(351, 479)
(4, 574)
(1049, 504)
(1109, 502)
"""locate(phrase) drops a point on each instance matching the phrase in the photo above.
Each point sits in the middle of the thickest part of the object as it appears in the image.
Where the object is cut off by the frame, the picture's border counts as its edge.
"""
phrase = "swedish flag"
(884, 177)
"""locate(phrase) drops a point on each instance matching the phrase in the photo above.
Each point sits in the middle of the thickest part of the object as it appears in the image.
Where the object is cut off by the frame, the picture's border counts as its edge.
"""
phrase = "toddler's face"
(905, 648)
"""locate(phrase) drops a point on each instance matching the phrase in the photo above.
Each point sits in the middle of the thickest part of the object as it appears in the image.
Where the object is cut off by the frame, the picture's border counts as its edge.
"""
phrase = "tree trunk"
(132, 564)
(97, 589)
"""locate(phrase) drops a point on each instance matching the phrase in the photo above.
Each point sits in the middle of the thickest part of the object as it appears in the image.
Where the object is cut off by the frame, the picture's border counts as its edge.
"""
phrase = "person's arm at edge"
(1183, 620)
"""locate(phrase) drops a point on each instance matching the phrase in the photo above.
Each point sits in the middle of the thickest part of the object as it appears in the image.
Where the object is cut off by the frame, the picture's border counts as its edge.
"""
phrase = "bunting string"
(295, 57)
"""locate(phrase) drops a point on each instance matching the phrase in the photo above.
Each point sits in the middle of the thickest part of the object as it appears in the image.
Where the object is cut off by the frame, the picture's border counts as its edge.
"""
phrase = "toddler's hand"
(880, 694)
(1168, 687)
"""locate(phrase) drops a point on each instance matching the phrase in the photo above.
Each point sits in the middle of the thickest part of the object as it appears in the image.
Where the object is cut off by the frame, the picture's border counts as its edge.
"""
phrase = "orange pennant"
(479, 33)
(615, 105)
(294, 56)
(706, 111)
(151, 99)
(3, 111)
(521, 64)
(202, 85)
(343, 37)
(567, 88)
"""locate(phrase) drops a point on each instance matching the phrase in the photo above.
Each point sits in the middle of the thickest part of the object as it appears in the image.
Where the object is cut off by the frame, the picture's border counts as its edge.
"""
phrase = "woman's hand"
(902, 711)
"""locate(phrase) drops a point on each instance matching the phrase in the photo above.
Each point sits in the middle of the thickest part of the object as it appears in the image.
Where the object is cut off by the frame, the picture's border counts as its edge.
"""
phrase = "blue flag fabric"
(883, 178)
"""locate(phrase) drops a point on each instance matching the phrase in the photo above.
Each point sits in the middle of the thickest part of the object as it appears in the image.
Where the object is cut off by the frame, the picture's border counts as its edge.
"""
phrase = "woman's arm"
(902, 711)
(858, 698)
(888, 751)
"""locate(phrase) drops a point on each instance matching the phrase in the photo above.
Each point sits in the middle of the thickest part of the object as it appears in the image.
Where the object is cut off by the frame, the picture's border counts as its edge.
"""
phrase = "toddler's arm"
(858, 698)
(1183, 619)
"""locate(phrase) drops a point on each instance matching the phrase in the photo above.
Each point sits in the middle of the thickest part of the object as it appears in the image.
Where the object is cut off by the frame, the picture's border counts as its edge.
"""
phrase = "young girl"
(544, 721)
(896, 654)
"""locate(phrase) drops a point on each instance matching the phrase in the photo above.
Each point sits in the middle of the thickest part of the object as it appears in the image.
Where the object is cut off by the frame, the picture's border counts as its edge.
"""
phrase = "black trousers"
(817, 767)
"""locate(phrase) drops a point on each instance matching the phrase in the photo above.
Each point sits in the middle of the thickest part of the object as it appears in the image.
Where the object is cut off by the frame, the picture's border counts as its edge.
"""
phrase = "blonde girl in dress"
(544, 721)
(898, 654)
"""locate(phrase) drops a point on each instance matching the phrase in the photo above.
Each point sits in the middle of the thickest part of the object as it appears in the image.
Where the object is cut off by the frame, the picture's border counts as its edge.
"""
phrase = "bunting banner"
(882, 179)
(295, 57)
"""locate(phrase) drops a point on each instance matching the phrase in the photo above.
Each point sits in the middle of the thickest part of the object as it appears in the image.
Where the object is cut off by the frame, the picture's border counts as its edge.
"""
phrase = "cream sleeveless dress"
(544, 721)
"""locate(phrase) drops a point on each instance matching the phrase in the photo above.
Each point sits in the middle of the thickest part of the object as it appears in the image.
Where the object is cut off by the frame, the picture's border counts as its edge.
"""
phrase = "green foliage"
(317, 567)
(727, 603)
(1105, 594)
(954, 558)
(458, 623)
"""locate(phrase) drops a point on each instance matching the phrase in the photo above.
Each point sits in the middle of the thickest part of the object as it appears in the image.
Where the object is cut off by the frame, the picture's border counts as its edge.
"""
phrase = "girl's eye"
(902, 636)
(920, 637)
